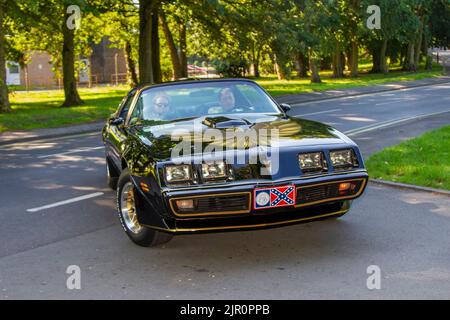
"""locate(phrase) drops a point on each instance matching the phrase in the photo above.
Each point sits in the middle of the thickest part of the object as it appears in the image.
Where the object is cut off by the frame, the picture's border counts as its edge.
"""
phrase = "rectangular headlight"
(179, 173)
(343, 159)
(311, 161)
(214, 170)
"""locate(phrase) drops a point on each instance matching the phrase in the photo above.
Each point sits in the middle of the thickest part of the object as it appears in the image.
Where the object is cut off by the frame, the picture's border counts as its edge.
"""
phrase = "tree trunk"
(176, 65)
(131, 65)
(354, 59)
(376, 60)
(383, 59)
(256, 56)
(72, 98)
(302, 65)
(410, 58)
(279, 69)
(354, 8)
(315, 77)
(418, 46)
(4, 99)
(256, 72)
(156, 55)
(183, 51)
(145, 42)
(338, 70)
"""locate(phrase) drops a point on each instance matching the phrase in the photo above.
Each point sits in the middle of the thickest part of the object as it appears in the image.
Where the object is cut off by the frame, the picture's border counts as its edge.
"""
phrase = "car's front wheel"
(128, 214)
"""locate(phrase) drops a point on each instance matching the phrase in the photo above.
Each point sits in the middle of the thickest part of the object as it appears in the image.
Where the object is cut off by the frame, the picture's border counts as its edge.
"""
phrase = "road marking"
(386, 103)
(70, 152)
(314, 113)
(389, 123)
(62, 203)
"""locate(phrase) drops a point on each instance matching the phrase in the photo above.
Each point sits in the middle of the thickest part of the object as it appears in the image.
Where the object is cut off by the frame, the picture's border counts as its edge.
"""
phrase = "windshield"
(201, 99)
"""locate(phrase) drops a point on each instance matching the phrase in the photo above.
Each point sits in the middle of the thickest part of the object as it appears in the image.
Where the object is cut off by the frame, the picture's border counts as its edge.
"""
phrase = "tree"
(4, 99)
(149, 44)
(72, 98)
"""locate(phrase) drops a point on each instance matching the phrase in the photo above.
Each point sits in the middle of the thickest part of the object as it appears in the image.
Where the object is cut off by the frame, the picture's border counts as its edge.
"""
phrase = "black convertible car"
(221, 155)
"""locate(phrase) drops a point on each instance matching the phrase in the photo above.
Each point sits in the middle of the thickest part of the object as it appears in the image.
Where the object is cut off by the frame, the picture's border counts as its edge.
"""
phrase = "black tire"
(143, 236)
(111, 176)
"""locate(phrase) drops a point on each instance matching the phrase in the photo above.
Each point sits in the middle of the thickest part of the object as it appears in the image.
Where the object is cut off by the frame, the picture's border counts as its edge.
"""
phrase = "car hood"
(161, 137)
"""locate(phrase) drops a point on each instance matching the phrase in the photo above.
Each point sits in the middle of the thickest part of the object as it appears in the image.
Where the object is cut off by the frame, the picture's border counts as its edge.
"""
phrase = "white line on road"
(70, 152)
(61, 203)
(314, 113)
(389, 123)
(386, 103)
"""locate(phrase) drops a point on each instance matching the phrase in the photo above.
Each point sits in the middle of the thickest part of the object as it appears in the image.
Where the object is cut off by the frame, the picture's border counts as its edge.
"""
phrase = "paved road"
(405, 233)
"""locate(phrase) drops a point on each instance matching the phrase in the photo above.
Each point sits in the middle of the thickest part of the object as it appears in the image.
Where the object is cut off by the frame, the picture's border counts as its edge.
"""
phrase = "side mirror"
(285, 107)
(116, 121)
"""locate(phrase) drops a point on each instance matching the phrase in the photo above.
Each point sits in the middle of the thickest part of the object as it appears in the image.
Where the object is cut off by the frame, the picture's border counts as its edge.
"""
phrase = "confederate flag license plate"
(274, 197)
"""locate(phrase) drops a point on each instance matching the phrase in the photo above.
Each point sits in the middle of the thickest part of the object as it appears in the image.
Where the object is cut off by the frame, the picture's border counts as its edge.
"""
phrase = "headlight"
(179, 173)
(343, 159)
(214, 171)
(312, 161)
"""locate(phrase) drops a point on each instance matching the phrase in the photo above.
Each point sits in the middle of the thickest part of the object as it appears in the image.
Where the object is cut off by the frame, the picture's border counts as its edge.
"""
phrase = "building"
(105, 65)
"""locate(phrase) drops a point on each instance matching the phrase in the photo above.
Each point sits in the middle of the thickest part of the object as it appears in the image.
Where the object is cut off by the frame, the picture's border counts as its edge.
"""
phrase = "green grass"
(41, 109)
(423, 161)
(282, 87)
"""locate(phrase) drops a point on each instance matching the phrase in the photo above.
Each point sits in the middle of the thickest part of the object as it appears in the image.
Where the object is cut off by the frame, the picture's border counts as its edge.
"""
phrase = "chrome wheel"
(128, 208)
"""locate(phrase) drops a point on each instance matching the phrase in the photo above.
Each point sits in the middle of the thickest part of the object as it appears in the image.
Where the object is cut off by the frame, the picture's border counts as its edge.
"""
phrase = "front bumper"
(235, 216)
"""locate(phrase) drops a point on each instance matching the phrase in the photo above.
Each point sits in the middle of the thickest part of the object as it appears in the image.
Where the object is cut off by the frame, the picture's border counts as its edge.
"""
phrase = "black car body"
(142, 151)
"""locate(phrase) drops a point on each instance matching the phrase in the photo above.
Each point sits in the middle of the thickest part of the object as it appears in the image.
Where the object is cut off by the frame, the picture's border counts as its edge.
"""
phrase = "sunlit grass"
(282, 87)
(423, 161)
(41, 109)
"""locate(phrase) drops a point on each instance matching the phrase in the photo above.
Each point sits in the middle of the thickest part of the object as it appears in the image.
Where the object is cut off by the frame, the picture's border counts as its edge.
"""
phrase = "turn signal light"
(344, 187)
(185, 204)
(145, 187)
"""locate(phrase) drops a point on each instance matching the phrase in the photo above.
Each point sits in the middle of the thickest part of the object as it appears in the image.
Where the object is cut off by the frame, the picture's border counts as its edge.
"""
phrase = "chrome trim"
(261, 225)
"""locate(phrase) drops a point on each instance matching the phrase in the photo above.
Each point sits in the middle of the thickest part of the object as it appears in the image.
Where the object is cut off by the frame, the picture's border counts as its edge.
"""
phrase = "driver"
(227, 102)
(160, 108)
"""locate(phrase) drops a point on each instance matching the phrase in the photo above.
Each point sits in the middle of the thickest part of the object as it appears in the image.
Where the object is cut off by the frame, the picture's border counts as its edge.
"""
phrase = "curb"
(409, 187)
(362, 93)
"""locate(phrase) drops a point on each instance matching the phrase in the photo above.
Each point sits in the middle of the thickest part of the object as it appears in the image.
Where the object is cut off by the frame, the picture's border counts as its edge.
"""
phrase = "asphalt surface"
(405, 233)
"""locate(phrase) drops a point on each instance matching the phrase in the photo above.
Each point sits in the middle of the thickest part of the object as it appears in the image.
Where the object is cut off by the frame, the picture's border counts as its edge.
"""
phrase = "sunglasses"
(162, 105)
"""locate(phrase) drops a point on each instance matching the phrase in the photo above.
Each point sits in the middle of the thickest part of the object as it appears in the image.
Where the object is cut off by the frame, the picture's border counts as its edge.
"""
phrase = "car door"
(116, 133)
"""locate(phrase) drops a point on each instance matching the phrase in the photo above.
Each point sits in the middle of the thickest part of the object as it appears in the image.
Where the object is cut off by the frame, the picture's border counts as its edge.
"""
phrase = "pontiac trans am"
(215, 185)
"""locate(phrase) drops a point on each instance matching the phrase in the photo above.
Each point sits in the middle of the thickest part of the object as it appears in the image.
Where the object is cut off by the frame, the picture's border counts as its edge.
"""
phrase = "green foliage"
(231, 67)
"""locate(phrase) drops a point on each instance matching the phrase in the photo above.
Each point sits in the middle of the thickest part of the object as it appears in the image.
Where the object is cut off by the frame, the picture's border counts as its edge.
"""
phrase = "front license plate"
(274, 197)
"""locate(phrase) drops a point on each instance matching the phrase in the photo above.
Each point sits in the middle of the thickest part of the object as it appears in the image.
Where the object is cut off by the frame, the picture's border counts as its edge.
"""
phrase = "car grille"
(319, 193)
(220, 204)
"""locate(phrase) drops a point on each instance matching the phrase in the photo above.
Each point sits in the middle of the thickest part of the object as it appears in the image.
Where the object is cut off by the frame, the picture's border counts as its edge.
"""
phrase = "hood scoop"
(225, 123)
